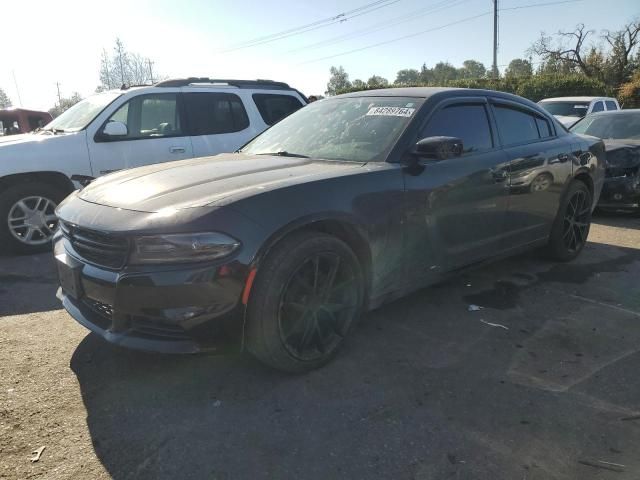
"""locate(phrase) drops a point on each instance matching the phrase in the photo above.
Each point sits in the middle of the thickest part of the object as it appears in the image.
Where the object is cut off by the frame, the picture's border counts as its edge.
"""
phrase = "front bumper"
(621, 193)
(184, 309)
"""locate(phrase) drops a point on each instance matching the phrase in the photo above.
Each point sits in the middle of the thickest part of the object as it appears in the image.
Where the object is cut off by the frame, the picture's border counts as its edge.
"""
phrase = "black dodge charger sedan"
(348, 203)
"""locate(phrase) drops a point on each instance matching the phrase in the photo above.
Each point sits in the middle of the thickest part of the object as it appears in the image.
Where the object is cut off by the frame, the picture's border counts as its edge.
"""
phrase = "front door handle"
(177, 149)
(563, 157)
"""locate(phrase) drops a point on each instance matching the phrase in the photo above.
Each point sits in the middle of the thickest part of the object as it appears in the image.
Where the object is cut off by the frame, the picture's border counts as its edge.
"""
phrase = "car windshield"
(612, 126)
(81, 114)
(358, 129)
(566, 109)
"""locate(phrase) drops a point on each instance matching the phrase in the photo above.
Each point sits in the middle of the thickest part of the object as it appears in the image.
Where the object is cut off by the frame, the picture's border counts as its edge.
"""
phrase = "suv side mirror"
(438, 148)
(115, 129)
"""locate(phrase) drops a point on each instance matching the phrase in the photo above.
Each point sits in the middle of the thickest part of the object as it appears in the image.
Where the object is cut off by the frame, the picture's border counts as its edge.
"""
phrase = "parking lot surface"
(540, 383)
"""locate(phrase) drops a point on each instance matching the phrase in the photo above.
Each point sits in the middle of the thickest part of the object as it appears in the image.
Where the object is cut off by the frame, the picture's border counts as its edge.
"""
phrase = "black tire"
(295, 323)
(571, 226)
(9, 198)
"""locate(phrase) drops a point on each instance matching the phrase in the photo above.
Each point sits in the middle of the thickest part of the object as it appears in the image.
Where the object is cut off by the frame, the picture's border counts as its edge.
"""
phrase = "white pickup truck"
(130, 127)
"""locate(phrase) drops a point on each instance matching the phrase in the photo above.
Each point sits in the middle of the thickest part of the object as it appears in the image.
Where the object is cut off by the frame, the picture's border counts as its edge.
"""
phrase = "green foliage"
(5, 101)
(377, 81)
(338, 81)
(534, 88)
(629, 93)
(65, 104)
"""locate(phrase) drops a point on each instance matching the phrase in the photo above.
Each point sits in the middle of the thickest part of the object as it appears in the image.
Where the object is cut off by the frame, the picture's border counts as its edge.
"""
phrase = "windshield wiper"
(283, 153)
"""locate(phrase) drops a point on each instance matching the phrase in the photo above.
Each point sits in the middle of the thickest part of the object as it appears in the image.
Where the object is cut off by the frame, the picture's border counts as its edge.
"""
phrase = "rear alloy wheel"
(571, 227)
(306, 298)
(27, 217)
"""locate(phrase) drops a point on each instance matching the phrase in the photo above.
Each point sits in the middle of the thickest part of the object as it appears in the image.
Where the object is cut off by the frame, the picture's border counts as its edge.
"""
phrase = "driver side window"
(150, 116)
(468, 122)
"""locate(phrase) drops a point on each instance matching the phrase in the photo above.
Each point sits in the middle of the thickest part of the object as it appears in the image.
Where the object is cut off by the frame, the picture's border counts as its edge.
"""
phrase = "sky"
(49, 42)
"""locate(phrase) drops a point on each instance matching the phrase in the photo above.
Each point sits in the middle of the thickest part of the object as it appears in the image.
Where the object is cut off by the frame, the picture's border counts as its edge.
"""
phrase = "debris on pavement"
(494, 324)
(614, 467)
(474, 308)
(37, 453)
(217, 403)
(632, 417)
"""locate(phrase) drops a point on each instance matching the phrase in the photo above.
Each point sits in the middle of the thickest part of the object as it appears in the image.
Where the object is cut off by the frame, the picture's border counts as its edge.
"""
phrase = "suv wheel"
(307, 296)
(27, 216)
(571, 227)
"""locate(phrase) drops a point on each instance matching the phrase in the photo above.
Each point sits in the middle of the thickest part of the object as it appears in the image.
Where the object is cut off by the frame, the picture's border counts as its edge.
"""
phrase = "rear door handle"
(177, 149)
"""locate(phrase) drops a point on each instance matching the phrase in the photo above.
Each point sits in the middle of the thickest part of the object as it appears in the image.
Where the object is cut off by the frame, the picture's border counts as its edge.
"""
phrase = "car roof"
(575, 99)
(427, 92)
(615, 112)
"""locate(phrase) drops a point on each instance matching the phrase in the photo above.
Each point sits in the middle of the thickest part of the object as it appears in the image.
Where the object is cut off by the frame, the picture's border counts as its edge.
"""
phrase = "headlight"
(182, 247)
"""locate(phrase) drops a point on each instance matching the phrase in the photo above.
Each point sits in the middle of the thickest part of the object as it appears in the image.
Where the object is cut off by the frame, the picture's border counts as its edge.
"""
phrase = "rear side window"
(212, 113)
(274, 108)
(468, 122)
(543, 128)
(611, 105)
(515, 126)
(598, 107)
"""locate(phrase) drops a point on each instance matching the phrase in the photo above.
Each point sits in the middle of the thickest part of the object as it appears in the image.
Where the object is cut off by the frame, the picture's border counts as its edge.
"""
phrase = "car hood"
(207, 181)
(622, 153)
(30, 138)
(566, 121)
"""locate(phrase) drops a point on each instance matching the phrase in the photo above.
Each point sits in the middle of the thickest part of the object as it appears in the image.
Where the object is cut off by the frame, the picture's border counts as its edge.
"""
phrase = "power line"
(340, 18)
(467, 19)
(439, 6)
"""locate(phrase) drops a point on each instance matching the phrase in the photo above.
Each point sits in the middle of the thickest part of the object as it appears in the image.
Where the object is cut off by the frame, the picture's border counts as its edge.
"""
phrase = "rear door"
(217, 122)
(156, 132)
(539, 168)
(456, 207)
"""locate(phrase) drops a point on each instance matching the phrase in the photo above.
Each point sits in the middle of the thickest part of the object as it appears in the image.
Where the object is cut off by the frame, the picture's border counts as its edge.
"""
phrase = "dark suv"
(346, 204)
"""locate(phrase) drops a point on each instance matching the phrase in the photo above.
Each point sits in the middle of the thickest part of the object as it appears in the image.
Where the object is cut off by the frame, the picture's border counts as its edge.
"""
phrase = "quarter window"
(274, 108)
(598, 107)
(543, 128)
(214, 113)
(150, 116)
(515, 126)
(468, 122)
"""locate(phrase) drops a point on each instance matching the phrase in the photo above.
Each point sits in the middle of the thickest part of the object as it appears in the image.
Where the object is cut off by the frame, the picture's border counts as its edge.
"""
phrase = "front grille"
(613, 172)
(99, 248)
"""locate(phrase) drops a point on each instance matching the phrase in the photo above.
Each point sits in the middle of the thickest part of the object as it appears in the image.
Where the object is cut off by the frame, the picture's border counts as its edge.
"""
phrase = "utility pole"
(13, 72)
(150, 70)
(494, 68)
(59, 98)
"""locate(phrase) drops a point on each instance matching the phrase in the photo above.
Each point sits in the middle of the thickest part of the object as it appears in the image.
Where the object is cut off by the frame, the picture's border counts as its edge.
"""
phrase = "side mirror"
(438, 148)
(115, 129)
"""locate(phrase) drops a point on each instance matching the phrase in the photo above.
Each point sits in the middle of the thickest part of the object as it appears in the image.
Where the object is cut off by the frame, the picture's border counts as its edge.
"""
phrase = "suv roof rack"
(183, 82)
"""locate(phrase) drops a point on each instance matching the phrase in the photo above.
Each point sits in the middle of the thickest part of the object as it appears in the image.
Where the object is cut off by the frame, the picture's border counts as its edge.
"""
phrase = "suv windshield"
(358, 129)
(614, 126)
(566, 109)
(81, 114)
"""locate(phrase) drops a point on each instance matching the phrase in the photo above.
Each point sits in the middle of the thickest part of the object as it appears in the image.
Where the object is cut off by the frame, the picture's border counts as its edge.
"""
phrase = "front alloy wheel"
(32, 220)
(577, 220)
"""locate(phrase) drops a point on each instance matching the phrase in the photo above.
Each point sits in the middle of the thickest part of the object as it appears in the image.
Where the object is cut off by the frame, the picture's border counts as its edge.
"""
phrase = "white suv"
(130, 127)
(568, 110)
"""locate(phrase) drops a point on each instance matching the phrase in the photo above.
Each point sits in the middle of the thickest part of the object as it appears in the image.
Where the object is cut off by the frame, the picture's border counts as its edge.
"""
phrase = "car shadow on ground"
(28, 284)
(617, 219)
(530, 386)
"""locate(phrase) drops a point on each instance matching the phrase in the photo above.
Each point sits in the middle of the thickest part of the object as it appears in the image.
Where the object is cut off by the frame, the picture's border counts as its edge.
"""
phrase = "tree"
(124, 68)
(426, 74)
(472, 69)
(377, 82)
(338, 81)
(5, 101)
(65, 104)
(519, 67)
(444, 72)
(359, 84)
(408, 76)
(571, 51)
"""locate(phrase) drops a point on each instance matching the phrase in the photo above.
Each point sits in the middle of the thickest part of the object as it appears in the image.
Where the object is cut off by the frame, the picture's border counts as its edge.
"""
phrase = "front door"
(456, 207)
(155, 133)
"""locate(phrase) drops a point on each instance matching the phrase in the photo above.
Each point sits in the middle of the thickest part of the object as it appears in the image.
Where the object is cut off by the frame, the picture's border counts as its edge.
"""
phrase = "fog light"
(617, 196)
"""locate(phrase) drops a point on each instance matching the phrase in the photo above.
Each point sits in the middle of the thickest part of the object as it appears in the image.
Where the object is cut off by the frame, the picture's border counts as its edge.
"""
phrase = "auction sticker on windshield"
(392, 111)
